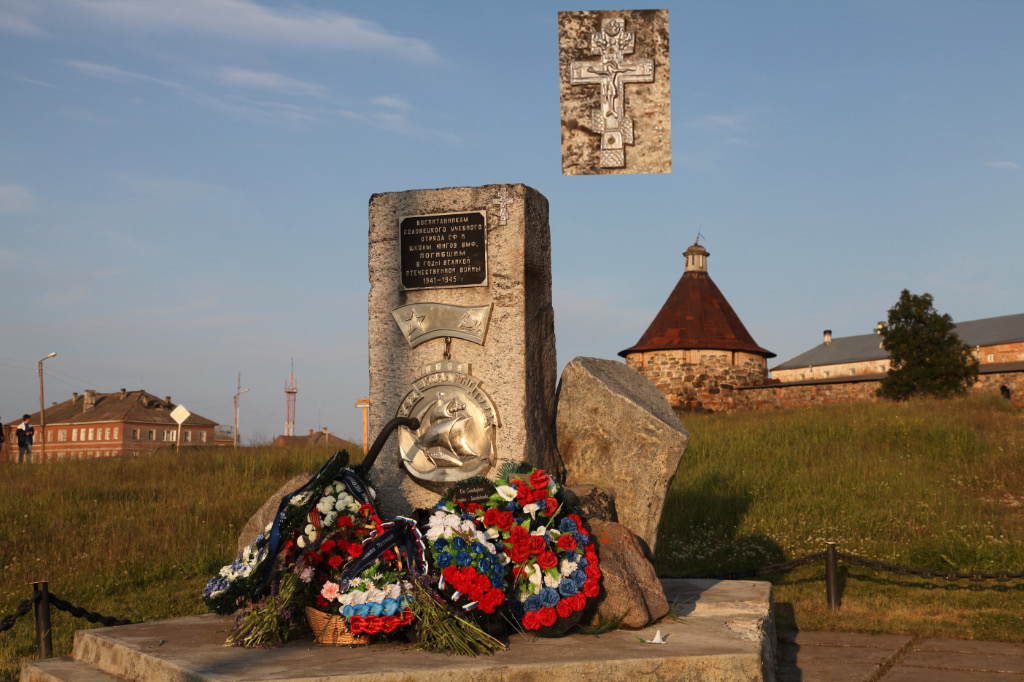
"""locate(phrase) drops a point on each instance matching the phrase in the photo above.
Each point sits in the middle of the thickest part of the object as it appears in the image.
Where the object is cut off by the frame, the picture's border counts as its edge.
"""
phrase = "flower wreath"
(472, 568)
(554, 565)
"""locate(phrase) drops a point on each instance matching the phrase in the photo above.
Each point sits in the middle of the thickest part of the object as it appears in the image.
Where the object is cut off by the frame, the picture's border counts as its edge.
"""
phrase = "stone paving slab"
(722, 639)
(845, 639)
(835, 656)
(996, 663)
(971, 646)
(900, 674)
(848, 657)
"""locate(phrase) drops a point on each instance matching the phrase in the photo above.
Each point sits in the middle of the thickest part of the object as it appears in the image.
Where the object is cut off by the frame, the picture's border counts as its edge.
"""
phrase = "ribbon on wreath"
(333, 469)
(402, 534)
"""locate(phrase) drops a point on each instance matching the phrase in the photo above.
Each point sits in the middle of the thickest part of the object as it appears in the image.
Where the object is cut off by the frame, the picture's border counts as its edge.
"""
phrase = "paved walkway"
(847, 657)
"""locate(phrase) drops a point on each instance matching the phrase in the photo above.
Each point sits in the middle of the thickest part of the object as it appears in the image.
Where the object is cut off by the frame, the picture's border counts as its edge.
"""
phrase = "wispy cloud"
(735, 123)
(249, 22)
(18, 24)
(268, 80)
(82, 115)
(16, 199)
(115, 73)
(168, 188)
(394, 119)
(30, 81)
(266, 112)
(9, 259)
(1007, 165)
(393, 102)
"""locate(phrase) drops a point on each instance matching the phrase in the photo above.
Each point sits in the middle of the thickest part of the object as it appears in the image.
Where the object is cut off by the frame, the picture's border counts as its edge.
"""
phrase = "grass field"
(929, 484)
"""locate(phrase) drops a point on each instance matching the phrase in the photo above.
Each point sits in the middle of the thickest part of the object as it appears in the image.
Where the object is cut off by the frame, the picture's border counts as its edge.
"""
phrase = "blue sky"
(184, 184)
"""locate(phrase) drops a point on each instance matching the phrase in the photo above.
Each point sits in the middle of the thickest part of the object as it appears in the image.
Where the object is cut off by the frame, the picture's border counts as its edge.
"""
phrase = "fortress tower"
(696, 351)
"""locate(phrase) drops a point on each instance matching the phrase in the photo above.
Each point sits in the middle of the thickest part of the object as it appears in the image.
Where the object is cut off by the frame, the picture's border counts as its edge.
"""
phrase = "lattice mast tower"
(290, 389)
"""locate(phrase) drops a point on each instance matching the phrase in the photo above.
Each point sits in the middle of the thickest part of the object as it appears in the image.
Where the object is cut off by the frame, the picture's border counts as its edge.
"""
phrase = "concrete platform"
(723, 630)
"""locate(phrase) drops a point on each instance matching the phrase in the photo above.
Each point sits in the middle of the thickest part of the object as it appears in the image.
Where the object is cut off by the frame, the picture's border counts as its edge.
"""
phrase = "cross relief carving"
(612, 71)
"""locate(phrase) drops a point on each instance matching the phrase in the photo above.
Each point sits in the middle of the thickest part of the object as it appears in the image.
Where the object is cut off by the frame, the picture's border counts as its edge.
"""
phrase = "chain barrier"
(79, 612)
(975, 576)
(750, 573)
(7, 622)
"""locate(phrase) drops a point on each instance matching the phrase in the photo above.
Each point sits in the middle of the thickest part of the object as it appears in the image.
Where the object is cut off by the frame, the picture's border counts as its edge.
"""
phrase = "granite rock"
(615, 430)
(257, 523)
(629, 586)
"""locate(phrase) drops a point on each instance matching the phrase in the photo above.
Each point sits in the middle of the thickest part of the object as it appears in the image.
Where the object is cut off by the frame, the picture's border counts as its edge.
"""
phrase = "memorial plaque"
(473, 493)
(443, 250)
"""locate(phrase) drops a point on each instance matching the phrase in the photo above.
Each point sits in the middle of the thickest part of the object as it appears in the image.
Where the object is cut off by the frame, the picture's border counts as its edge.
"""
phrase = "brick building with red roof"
(697, 351)
(111, 425)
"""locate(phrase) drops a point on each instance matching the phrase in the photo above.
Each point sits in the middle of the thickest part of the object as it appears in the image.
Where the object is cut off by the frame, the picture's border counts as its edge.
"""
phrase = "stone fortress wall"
(701, 380)
(725, 381)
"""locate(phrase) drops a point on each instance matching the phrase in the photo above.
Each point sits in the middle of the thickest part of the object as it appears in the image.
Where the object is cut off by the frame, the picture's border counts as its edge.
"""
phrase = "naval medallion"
(456, 437)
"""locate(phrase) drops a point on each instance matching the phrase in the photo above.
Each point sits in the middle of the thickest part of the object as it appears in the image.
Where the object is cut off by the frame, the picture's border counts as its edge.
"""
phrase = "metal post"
(42, 414)
(365, 404)
(831, 576)
(43, 635)
(238, 397)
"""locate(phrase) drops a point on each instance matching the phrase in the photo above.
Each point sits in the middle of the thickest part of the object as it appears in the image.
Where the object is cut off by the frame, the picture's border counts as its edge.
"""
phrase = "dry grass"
(132, 538)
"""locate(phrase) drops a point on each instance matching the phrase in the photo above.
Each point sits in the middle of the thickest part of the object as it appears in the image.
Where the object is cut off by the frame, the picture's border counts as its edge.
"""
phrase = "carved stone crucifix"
(502, 201)
(612, 71)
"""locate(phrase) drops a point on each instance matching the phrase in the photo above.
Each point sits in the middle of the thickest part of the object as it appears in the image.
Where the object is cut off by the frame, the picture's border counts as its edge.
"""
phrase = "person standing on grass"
(25, 433)
(1005, 391)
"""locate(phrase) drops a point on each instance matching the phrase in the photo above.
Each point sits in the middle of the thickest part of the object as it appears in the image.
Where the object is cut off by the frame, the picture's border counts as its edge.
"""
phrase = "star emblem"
(415, 324)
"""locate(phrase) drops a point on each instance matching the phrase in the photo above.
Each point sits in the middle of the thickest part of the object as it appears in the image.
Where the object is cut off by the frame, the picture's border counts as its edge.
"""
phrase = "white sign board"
(180, 414)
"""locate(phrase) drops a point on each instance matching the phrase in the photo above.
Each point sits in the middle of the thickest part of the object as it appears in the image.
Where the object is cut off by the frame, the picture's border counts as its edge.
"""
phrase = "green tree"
(927, 357)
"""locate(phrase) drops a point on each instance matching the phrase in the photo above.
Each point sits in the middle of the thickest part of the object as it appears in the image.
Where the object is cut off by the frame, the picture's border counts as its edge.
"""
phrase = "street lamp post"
(237, 396)
(365, 404)
(42, 411)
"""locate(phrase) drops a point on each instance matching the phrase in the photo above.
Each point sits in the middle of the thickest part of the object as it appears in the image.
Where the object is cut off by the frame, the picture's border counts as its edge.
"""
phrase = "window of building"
(827, 373)
(991, 357)
(188, 436)
(202, 436)
(90, 434)
(853, 371)
(62, 436)
(117, 435)
(152, 434)
(135, 434)
(106, 435)
(168, 434)
(74, 435)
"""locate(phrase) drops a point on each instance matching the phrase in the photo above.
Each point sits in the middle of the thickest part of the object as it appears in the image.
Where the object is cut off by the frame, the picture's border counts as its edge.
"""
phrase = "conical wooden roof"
(697, 316)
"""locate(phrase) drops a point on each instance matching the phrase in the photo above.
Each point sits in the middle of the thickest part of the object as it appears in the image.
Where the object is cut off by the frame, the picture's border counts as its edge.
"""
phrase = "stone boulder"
(616, 431)
(257, 523)
(629, 585)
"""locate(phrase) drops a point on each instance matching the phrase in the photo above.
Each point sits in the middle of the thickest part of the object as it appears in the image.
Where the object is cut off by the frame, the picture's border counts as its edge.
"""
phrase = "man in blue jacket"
(25, 433)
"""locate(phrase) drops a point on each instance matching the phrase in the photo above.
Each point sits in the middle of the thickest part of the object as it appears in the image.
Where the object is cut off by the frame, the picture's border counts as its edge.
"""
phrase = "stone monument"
(461, 337)
(614, 87)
